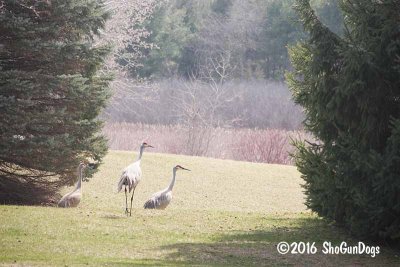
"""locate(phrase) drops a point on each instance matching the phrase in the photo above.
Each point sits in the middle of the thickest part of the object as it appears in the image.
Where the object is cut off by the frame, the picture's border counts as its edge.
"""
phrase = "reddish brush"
(255, 145)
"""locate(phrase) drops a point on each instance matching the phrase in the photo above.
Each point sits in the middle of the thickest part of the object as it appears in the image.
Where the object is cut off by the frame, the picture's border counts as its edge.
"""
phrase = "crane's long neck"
(140, 153)
(172, 181)
(79, 184)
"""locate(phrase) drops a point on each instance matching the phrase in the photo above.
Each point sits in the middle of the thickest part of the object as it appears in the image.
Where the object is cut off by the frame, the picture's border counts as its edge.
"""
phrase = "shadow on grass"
(112, 217)
(259, 247)
(144, 262)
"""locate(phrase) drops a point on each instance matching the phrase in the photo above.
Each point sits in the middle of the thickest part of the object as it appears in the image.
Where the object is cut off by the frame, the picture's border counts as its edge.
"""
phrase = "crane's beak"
(185, 169)
(150, 146)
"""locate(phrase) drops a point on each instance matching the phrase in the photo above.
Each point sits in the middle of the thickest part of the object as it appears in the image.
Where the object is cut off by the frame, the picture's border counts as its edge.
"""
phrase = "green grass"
(223, 213)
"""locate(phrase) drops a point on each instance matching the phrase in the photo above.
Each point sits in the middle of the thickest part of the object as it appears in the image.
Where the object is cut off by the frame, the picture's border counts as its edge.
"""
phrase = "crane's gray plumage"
(73, 198)
(161, 199)
(131, 176)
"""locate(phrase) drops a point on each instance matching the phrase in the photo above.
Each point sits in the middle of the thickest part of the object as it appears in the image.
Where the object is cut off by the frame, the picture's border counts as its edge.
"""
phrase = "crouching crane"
(130, 178)
(73, 198)
(161, 199)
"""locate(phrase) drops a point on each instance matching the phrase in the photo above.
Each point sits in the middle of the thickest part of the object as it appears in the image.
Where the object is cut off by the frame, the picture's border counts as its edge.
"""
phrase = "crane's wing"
(153, 202)
(130, 177)
(159, 199)
(63, 203)
(74, 199)
(71, 199)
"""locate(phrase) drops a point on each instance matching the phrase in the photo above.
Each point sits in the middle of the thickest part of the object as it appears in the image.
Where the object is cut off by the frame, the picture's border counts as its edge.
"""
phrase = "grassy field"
(223, 213)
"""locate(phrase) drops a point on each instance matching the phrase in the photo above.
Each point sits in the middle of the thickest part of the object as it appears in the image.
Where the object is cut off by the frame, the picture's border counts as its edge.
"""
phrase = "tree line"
(224, 38)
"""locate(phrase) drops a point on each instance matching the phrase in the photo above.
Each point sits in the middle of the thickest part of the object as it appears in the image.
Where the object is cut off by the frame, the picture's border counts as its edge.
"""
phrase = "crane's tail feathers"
(119, 188)
(121, 183)
(150, 204)
(63, 203)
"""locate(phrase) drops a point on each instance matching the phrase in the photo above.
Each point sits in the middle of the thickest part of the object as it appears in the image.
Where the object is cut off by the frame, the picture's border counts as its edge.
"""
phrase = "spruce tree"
(50, 95)
(350, 89)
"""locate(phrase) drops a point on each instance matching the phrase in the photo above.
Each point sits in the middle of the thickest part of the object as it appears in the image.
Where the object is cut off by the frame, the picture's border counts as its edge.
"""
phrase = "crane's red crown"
(145, 144)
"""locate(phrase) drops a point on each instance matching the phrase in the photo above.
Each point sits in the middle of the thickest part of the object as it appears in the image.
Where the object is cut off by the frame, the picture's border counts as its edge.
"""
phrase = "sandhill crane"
(131, 176)
(161, 199)
(73, 198)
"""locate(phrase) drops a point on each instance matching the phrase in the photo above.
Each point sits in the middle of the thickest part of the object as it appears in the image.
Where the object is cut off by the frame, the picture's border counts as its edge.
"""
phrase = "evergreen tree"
(170, 33)
(350, 89)
(280, 29)
(50, 95)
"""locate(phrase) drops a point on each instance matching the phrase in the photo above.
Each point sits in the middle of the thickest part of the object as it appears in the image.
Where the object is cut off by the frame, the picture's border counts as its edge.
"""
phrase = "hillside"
(212, 184)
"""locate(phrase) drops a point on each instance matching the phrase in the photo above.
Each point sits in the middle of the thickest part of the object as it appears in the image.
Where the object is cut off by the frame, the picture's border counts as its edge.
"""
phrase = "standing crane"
(161, 199)
(73, 198)
(131, 176)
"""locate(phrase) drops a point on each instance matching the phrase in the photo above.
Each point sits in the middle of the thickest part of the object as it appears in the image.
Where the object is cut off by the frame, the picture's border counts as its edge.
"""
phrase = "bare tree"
(125, 30)
(231, 41)
(200, 106)
(132, 100)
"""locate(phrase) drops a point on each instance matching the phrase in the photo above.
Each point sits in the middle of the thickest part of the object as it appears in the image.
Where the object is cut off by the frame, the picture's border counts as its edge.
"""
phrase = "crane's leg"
(126, 201)
(133, 192)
